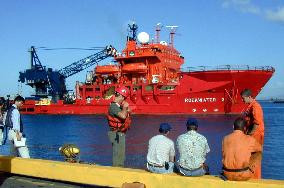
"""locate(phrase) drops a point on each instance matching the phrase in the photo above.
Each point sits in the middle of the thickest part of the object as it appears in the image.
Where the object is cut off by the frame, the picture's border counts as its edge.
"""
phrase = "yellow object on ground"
(70, 152)
(115, 177)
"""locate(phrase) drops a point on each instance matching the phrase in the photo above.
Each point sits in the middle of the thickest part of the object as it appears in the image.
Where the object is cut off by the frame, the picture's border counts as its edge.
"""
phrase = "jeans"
(197, 172)
(161, 170)
(117, 140)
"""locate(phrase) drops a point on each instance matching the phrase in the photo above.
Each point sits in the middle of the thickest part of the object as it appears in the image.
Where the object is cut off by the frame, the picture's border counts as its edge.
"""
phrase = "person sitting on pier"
(241, 153)
(193, 148)
(161, 151)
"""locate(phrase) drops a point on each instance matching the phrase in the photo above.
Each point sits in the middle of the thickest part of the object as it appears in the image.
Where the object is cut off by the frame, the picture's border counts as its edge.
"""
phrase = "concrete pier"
(106, 176)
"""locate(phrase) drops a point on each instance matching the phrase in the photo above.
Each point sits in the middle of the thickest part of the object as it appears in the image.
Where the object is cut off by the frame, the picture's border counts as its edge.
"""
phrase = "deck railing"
(227, 67)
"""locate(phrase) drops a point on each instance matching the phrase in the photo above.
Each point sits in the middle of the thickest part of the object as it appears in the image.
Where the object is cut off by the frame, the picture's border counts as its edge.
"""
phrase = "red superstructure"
(152, 71)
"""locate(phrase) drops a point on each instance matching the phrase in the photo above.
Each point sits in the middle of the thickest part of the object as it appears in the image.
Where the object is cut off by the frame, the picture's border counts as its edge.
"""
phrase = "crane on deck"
(49, 82)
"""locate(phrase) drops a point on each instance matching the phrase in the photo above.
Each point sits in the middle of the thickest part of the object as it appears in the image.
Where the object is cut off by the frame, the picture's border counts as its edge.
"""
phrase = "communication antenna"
(158, 29)
(173, 29)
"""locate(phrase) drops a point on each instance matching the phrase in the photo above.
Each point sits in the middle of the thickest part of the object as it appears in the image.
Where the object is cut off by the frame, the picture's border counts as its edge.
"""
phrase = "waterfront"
(46, 133)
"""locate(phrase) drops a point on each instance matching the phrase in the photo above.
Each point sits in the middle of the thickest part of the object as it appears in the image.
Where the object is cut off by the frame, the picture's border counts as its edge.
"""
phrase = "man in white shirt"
(14, 123)
(161, 152)
(193, 148)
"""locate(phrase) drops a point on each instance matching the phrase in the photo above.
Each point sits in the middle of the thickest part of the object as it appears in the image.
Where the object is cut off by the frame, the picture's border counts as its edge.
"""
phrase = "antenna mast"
(158, 29)
(173, 29)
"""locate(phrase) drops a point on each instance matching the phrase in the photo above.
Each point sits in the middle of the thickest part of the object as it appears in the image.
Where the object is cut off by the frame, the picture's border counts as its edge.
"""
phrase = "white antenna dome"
(163, 43)
(143, 37)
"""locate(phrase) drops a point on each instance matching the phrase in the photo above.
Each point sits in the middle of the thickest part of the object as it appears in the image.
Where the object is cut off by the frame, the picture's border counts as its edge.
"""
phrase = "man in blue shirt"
(14, 122)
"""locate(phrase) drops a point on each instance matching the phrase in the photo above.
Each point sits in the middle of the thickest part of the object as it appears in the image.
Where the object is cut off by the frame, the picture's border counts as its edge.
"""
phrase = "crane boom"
(82, 64)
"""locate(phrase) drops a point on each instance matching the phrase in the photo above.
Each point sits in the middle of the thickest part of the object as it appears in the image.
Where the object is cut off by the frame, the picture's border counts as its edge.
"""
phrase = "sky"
(210, 33)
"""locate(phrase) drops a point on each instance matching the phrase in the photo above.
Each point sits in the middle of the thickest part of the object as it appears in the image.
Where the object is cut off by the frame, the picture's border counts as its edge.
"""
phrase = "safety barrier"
(115, 177)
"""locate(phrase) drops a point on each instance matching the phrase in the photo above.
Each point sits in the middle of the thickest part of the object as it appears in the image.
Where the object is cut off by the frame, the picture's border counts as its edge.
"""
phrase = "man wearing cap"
(161, 151)
(193, 148)
(119, 122)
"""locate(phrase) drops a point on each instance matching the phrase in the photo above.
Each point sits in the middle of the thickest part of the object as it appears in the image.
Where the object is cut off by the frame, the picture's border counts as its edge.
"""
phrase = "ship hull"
(199, 92)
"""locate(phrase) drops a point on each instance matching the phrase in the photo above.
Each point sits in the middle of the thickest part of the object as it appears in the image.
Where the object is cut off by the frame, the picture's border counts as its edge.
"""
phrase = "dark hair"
(19, 98)
(191, 127)
(163, 131)
(239, 124)
(246, 93)
(2, 100)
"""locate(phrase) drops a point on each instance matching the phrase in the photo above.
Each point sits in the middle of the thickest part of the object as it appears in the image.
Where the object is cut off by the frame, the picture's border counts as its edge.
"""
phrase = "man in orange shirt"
(241, 153)
(254, 122)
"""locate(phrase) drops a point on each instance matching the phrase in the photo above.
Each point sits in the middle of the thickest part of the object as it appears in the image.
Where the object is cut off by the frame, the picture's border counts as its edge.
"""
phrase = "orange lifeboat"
(135, 67)
(107, 69)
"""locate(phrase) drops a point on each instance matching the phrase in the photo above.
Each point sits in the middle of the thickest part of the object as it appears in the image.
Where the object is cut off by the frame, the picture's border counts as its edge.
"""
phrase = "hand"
(18, 136)
(125, 104)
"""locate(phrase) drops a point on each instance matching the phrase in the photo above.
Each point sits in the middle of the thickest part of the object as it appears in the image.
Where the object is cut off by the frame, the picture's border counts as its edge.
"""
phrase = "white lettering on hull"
(199, 100)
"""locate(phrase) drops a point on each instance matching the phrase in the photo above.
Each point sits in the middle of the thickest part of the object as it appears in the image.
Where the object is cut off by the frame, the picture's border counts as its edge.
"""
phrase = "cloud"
(242, 5)
(247, 6)
(277, 15)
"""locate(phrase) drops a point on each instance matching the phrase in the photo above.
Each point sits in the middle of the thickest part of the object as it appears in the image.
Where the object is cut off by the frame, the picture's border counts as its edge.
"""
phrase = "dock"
(76, 174)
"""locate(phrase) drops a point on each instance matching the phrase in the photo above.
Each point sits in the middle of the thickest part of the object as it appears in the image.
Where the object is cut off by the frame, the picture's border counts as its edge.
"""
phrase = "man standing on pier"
(119, 122)
(14, 122)
(254, 122)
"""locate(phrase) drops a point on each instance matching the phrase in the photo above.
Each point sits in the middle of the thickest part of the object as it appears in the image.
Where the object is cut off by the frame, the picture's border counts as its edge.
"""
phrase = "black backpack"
(8, 121)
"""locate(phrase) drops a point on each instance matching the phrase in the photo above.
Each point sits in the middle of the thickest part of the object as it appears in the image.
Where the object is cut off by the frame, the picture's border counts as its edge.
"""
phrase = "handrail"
(228, 68)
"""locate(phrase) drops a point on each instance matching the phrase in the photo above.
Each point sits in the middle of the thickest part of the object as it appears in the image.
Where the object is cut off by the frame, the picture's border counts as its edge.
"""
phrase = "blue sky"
(210, 33)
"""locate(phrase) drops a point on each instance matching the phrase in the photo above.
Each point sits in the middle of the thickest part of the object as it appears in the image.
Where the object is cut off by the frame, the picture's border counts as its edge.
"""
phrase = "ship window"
(97, 89)
(166, 88)
(135, 88)
(149, 88)
(30, 109)
(89, 89)
(23, 109)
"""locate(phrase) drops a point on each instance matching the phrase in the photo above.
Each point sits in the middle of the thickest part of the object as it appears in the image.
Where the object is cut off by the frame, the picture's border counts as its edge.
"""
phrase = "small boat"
(278, 101)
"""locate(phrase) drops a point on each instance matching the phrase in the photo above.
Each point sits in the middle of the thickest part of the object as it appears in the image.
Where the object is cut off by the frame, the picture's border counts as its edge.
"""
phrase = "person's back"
(237, 149)
(159, 148)
(161, 152)
(193, 148)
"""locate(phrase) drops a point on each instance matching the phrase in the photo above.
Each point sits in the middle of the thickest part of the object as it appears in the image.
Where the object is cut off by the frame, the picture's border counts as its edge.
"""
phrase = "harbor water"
(46, 133)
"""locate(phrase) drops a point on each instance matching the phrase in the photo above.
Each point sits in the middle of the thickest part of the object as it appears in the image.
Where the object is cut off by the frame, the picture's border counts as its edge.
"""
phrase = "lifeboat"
(107, 69)
(135, 67)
